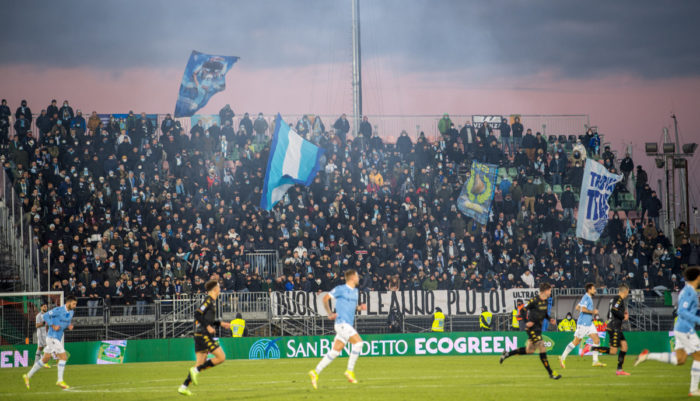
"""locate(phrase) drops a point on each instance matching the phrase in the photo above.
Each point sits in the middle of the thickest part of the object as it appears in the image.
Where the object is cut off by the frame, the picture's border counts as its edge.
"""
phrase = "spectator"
(517, 129)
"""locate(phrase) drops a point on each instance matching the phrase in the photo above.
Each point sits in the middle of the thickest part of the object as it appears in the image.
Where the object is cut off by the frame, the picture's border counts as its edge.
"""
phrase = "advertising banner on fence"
(411, 303)
(272, 348)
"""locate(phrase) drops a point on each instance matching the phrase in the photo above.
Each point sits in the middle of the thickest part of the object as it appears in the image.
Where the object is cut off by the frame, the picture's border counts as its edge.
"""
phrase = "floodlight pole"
(670, 192)
(356, 69)
(683, 180)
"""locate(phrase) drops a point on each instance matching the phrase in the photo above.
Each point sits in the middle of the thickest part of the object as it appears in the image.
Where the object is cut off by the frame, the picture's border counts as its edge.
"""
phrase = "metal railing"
(265, 262)
(19, 250)
(389, 126)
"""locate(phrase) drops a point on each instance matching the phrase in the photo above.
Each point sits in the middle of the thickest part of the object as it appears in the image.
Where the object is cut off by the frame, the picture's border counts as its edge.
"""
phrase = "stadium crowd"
(129, 212)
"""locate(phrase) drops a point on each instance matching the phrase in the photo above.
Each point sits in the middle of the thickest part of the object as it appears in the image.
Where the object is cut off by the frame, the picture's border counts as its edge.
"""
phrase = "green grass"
(388, 378)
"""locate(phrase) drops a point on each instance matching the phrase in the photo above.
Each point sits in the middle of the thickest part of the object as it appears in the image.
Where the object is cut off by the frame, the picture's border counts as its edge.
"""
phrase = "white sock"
(61, 367)
(354, 354)
(567, 351)
(694, 376)
(665, 357)
(38, 364)
(595, 355)
(38, 355)
(326, 360)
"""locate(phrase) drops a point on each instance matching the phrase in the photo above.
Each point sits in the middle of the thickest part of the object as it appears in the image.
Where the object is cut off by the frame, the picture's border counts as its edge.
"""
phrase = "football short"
(534, 335)
(688, 342)
(615, 338)
(54, 347)
(343, 332)
(203, 342)
(585, 331)
(41, 340)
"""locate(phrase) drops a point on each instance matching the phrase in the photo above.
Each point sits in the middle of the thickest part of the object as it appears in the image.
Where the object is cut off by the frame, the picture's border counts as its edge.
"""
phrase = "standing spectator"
(517, 129)
(639, 185)
(52, 109)
(529, 193)
(404, 144)
(653, 208)
(260, 126)
(342, 127)
(444, 124)
(44, 123)
(22, 125)
(626, 166)
(77, 124)
(568, 203)
(506, 140)
(94, 123)
(226, 114)
(25, 111)
(93, 298)
(528, 144)
(366, 130)
(65, 115)
(557, 169)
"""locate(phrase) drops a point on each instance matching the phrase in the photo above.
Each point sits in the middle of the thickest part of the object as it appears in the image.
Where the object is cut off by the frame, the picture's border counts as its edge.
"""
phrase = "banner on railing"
(271, 348)
(410, 303)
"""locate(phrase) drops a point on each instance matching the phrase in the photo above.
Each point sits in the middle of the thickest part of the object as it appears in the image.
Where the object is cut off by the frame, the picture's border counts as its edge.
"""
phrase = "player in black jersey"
(616, 315)
(534, 312)
(204, 344)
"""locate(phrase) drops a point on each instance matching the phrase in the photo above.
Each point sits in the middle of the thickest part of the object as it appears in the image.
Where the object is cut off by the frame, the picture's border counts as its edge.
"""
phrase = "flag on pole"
(292, 160)
(596, 188)
(204, 76)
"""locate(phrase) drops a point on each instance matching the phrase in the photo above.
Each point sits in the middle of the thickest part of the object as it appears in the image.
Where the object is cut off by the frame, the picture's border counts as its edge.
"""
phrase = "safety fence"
(19, 243)
(271, 348)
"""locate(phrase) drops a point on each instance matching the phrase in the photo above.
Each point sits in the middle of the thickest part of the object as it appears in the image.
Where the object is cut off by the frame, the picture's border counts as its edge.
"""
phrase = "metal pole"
(356, 68)
(670, 190)
(48, 272)
(684, 184)
(682, 178)
(38, 268)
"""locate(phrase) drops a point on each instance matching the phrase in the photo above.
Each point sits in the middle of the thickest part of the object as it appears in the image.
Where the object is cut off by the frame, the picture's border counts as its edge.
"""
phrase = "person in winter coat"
(506, 140)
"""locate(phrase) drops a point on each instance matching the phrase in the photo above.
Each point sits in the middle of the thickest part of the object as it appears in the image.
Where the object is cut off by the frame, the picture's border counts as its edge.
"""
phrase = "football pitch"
(380, 378)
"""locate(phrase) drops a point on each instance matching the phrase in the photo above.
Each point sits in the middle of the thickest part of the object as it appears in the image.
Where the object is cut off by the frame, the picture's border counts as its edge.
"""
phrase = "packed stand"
(128, 213)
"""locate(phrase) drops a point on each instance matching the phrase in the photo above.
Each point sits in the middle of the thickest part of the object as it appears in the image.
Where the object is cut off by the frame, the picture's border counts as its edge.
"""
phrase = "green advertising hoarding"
(415, 344)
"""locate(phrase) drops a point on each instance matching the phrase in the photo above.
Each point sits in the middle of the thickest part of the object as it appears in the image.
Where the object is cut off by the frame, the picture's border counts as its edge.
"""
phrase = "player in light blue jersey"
(687, 341)
(345, 308)
(58, 319)
(584, 327)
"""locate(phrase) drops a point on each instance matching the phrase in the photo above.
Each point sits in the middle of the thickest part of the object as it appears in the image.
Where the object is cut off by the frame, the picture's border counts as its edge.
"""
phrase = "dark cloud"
(570, 38)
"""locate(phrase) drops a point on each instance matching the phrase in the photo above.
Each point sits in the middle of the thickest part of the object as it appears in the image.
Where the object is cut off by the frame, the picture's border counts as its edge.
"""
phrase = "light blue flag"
(293, 160)
(204, 76)
(596, 188)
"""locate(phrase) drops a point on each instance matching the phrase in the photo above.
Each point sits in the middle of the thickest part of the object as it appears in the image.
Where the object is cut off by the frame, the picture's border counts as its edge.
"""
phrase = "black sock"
(206, 365)
(620, 359)
(517, 351)
(602, 350)
(187, 381)
(545, 362)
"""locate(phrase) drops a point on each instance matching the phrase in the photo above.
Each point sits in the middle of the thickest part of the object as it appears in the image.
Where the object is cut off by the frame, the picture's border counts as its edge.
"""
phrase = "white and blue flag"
(293, 160)
(596, 188)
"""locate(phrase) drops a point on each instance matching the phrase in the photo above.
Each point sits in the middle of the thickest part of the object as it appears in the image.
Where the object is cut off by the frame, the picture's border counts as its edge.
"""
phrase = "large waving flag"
(204, 76)
(293, 160)
(478, 192)
(596, 188)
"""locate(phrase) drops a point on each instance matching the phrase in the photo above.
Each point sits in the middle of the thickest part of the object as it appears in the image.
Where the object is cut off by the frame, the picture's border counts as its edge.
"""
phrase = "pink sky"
(626, 109)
